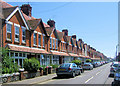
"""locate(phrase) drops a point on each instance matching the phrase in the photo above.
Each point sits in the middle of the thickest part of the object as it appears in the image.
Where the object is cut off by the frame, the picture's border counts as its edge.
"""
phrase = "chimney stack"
(51, 23)
(65, 31)
(27, 9)
(80, 40)
(74, 36)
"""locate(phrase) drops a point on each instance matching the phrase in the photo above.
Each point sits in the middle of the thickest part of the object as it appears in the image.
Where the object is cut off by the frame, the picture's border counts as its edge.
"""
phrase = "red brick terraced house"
(26, 37)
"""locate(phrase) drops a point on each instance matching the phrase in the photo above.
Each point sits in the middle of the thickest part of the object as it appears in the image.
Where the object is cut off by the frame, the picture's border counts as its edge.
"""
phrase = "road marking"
(89, 79)
(97, 73)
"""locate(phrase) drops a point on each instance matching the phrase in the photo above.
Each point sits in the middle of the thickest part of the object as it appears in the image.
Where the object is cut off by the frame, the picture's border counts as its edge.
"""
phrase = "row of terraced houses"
(26, 37)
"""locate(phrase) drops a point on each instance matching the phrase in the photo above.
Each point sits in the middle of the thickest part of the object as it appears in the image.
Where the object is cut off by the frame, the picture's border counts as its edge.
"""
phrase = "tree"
(8, 65)
(88, 60)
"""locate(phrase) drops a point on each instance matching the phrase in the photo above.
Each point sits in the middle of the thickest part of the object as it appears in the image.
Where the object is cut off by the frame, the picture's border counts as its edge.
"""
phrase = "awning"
(26, 49)
(74, 55)
(95, 58)
(82, 56)
(59, 53)
(87, 57)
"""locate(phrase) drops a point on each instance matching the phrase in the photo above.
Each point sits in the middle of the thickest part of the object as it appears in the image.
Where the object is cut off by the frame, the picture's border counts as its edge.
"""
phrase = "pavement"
(34, 80)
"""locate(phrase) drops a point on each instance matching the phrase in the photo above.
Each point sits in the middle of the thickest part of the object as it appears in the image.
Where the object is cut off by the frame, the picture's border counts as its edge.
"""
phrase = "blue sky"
(94, 22)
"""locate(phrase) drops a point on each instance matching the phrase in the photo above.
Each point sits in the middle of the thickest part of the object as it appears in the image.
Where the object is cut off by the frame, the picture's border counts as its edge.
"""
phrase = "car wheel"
(58, 75)
(73, 74)
(79, 73)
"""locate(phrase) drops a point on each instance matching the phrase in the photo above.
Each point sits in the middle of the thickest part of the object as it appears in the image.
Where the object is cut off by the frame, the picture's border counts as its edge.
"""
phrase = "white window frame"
(50, 42)
(11, 23)
(16, 25)
(39, 34)
(43, 40)
(23, 41)
(56, 43)
(35, 32)
(53, 43)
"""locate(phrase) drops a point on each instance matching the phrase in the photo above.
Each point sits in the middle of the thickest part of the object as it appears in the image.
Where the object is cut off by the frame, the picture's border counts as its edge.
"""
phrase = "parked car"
(117, 77)
(95, 64)
(70, 69)
(114, 67)
(87, 66)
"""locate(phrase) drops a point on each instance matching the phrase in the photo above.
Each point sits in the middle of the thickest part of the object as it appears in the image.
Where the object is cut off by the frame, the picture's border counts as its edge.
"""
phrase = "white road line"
(89, 79)
(97, 73)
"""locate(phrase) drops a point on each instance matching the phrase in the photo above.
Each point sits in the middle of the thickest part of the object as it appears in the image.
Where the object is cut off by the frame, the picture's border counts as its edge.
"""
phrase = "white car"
(87, 66)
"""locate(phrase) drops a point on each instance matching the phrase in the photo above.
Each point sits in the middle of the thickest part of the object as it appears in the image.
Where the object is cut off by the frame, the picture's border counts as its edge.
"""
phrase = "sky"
(96, 23)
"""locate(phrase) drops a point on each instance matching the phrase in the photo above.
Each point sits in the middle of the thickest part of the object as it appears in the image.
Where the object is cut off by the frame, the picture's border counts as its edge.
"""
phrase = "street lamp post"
(116, 52)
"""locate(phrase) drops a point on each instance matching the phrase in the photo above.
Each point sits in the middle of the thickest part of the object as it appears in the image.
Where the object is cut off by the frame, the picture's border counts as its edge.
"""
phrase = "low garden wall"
(26, 75)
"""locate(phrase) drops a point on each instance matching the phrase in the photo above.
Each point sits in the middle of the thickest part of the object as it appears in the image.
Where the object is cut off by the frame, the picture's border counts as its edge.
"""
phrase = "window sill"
(39, 46)
(9, 40)
(16, 41)
(34, 45)
(23, 42)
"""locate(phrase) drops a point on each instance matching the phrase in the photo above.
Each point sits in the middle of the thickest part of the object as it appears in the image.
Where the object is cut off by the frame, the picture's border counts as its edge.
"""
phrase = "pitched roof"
(68, 39)
(49, 30)
(8, 11)
(60, 35)
(5, 5)
(74, 41)
(33, 23)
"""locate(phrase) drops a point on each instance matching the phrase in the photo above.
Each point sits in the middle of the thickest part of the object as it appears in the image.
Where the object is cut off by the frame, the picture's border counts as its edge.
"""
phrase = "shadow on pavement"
(111, 76)
(62, 77)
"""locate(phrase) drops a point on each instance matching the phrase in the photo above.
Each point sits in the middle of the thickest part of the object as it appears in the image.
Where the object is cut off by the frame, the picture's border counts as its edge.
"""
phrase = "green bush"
(78, 62)
(88, 60)
(31, 65)
(54, 65)
(8, 65)
(43, 66)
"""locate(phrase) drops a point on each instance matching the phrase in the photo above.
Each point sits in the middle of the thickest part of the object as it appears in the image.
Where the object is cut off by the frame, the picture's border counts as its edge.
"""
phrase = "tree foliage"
(31, 65)
(8, 65)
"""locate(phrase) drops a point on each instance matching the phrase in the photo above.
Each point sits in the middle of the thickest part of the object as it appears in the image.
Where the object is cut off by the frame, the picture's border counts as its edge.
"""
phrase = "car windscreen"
(115, 65)
(65, 65)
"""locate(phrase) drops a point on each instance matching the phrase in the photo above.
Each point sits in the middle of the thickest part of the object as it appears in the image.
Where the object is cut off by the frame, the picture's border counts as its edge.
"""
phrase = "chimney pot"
(27, 9)
(74, 36)
(65, 31)
(51, 23)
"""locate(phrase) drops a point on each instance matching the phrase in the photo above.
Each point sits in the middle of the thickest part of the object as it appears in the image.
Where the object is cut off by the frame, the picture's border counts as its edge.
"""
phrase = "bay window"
(17, 27)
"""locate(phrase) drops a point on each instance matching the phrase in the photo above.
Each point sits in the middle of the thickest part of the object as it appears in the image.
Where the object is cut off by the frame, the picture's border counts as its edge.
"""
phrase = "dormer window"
(23, 34)
(43, 40)
(17, 27)
(50, 42)
(8, 30)
(35, 38)
(53, 43)
(56, 44)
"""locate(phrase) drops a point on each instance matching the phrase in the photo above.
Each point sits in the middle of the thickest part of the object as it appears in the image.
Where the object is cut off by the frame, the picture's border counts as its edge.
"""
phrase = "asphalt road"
(99, 75)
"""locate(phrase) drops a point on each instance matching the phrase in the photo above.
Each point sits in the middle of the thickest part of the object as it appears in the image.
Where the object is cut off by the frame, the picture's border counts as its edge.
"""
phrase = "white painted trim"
(8, 22)
(35, 31)
(43, 34)
(12, 13)
(23, 27)
(16, 25)
(39, 33)
(51, 37)
(17, 9)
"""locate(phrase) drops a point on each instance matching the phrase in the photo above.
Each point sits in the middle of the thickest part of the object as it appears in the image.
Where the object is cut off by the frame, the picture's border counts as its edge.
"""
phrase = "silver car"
(70, 69)
(87, 66)
(114, 67)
